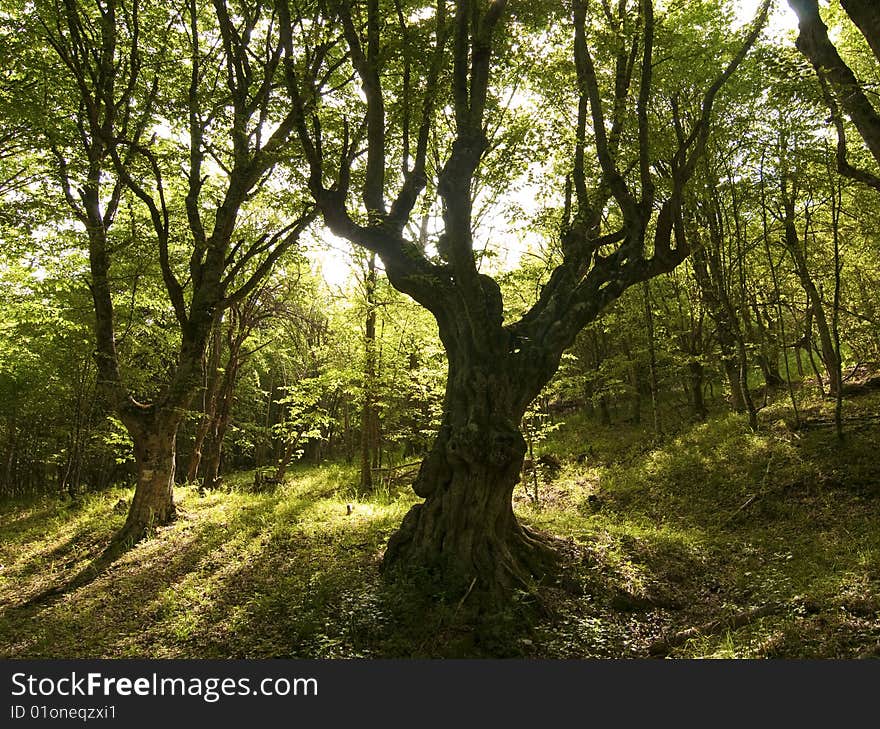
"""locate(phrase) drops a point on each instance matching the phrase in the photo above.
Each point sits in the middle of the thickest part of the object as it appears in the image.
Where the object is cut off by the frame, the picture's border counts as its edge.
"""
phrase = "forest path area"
(714, 542)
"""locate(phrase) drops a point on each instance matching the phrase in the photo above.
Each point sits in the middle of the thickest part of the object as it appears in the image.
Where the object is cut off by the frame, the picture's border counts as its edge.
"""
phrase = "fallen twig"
(461, 602)
(663, 646)
(388, 469)
(760, 492)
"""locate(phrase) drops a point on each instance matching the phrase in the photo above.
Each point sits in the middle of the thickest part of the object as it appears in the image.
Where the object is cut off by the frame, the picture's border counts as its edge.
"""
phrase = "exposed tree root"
(524, 560)
(138, 526)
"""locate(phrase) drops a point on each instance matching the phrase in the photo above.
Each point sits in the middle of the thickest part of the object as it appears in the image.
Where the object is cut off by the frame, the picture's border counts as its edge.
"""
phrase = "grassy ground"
(769, 542)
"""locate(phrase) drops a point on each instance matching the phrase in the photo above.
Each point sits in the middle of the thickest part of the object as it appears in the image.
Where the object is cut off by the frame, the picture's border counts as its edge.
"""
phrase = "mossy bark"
(465, 534)
(153, 502)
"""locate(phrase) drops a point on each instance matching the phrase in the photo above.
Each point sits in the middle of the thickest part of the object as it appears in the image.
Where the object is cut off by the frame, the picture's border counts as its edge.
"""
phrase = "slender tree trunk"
(744, 384)
(220, 422)
(731, 373)
(636, 384)
(836, 202)
(285, 458)
(195, 459)
(769, 353)
(696, 378)
(9, 460)
(777, 295)
(347, 439)
(268, 422)
(741, 321)
(599, 402)
(69, 481)
(604, 410)
(212, 457)
(209, 406)
(652, 357)
(698, 370)
(369, 426)
(810, 346)
(827, 351)
(713, 292)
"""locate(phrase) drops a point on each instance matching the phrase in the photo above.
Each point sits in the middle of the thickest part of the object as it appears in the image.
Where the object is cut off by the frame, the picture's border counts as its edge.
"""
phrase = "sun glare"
(782, 17)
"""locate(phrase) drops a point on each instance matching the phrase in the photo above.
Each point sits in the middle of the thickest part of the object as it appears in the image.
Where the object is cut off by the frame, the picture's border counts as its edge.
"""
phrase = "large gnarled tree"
(623, 226)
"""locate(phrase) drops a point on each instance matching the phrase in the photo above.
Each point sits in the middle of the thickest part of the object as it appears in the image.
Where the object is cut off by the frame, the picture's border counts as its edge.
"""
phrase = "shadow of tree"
(293, 574)
(282, 576)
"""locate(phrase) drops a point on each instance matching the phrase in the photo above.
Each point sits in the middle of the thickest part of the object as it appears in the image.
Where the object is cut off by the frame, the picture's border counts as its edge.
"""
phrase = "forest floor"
(712, 541)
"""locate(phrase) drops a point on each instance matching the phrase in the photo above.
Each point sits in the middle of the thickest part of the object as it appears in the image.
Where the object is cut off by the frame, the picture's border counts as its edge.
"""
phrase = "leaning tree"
(174, 113)
(623, 225)
(841, 84)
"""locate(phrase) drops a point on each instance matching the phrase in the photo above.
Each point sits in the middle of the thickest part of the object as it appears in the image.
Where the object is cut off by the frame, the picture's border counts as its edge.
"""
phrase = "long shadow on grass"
(101, 616)
(81, 538)
(35, 516)
(278, 579)
(321, 596)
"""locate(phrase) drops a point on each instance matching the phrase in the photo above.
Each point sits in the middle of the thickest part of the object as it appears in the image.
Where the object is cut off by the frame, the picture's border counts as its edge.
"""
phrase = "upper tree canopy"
(160, 128)
(428, 97)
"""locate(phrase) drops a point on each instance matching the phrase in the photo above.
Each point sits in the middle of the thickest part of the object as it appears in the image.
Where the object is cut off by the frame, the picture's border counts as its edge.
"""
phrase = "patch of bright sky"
(331, 257)
(782, 18)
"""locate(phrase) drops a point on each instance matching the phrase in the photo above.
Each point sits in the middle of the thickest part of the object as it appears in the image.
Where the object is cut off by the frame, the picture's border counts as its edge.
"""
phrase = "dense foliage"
(634, 214)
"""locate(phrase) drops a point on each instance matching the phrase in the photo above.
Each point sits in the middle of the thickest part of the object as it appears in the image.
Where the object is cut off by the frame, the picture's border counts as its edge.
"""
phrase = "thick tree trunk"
(813, 41)
(465, 532)
(153, 503)
(466, 529)
(866, 15)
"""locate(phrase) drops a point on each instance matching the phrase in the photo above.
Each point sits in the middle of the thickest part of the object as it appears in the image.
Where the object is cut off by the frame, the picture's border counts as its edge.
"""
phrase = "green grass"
(719, 519)
(667, 534)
